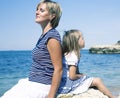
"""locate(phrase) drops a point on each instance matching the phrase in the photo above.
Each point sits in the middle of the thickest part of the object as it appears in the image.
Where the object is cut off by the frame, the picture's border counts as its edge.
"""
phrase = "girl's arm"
(73, 72)
(54, 49)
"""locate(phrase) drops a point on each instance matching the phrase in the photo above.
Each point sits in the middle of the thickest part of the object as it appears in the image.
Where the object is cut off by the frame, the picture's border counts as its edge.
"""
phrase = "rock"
(119, 96)
(118, 43)
(91, 93)
(106, 49)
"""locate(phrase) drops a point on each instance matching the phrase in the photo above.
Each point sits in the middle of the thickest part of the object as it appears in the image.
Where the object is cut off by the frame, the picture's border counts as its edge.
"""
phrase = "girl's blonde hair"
(70, 42)
(54, 9)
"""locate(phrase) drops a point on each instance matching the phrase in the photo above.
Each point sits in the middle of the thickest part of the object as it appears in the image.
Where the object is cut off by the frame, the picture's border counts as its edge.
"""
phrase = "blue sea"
(14, 65)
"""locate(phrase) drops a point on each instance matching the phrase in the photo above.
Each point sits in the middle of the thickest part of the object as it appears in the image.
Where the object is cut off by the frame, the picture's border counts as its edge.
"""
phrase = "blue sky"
(99, 20)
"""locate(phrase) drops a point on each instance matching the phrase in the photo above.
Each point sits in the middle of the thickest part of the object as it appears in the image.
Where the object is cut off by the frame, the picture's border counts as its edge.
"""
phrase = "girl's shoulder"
(71, 55)
(71, 58)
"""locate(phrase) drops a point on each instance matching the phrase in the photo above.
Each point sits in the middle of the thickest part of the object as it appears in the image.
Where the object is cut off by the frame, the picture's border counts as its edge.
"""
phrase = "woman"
(46, 69)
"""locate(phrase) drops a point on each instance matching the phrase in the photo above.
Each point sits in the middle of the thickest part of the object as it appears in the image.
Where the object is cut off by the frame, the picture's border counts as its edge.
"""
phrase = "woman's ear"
(53, 16)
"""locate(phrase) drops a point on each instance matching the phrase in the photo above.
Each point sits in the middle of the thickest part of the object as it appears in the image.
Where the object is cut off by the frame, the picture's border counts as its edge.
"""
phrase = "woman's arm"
(73, 72)
(55, 51)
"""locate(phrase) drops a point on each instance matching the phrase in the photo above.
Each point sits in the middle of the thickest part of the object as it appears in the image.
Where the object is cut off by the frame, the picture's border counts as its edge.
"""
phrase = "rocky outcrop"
(118, 43)
(91, 93)
(106, 49)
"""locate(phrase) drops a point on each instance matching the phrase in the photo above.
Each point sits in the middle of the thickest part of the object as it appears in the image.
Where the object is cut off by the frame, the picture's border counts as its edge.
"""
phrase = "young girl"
(73, 81)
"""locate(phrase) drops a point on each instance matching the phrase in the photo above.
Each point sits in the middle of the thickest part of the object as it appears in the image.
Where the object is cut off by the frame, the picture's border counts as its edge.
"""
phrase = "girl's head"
(49, 10)
(72, 41)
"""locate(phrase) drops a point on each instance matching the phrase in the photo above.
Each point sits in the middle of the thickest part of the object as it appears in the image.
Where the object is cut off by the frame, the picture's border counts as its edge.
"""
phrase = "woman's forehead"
(41, 5)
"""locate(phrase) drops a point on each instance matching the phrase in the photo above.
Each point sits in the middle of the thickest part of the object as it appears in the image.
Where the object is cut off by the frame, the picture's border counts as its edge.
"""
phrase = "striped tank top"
(42, 69)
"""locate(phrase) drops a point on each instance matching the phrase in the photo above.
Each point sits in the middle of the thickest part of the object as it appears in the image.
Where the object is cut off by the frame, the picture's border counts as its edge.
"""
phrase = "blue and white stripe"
(42, 68)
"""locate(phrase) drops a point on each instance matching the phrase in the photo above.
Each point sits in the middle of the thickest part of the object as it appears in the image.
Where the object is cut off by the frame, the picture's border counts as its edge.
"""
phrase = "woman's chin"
(37, 20)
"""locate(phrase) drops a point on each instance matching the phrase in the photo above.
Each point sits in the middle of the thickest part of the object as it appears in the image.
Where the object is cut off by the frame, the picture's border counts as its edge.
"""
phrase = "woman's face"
(42, 14)
(81, 41)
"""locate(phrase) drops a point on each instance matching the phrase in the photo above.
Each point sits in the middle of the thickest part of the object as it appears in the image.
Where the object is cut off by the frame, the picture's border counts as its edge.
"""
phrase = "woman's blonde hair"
(70, 42)
(54, 9)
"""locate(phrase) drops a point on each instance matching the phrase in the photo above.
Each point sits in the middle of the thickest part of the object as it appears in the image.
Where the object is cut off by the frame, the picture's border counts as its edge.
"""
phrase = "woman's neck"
(46, 28)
